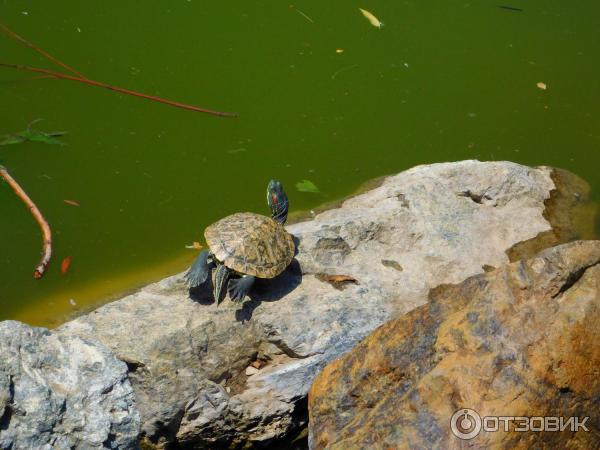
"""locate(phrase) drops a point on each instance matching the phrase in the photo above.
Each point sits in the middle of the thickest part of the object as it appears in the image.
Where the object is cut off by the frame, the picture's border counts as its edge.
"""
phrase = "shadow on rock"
(264, 290)
(203, 294)
(270, 290)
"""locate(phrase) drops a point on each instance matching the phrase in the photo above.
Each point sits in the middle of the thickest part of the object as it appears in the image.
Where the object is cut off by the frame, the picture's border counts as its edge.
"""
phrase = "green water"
(443, 80)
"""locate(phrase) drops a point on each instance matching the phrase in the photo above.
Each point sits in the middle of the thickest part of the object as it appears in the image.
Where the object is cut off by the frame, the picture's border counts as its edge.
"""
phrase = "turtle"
(245, 246)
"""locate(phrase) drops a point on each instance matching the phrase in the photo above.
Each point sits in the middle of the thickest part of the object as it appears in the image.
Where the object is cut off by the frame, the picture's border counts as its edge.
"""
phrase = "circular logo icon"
(465, 424)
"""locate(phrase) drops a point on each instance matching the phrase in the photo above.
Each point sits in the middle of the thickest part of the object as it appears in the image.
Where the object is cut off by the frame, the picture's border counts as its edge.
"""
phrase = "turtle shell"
(251, 244)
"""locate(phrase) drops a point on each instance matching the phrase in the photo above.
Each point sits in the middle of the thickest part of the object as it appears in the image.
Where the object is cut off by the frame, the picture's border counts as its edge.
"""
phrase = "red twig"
(46, 55)
(117, 89)
(46, 233)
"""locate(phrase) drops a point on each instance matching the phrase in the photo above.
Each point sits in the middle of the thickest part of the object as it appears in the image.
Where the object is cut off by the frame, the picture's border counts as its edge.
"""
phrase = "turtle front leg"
(222, 275)
(240, 287)
(198, 273)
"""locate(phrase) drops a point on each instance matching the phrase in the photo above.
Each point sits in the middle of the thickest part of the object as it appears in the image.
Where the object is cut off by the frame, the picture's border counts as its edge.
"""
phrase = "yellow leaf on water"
(371, 18)
(542, 85)
(339, 50)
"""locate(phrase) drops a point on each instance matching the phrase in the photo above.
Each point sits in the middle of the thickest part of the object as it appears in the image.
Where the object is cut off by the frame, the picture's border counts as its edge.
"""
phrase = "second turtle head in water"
(245, 246)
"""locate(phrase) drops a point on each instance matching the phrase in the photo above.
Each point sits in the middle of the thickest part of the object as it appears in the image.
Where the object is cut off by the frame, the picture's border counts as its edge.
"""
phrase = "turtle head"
(278, 201)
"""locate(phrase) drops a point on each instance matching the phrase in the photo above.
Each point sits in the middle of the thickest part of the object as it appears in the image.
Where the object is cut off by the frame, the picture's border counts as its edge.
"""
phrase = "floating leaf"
(371, 18)
(44, 138)
(34, 136)
(510, 8)
(66, 263)
(307, 186)
(12, 139)
(71, 202)
(542, 86)
(195, 246)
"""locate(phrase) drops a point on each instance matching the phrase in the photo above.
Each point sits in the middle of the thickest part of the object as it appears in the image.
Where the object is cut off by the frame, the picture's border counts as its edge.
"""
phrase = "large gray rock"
(62, 392)
(216, 377)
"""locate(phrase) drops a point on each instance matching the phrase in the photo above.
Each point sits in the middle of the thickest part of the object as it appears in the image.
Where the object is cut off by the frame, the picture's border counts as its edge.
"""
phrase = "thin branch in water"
(117, 89)
(46, 233)
(81, 78)
(46, 55)
(305, 16)
(343, 69)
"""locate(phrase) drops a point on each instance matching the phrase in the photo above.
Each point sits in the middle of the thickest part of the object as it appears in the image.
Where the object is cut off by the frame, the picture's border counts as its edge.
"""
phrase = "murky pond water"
(321, 95)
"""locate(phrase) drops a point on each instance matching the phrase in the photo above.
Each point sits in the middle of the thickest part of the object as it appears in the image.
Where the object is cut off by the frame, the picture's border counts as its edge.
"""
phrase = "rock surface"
(61, 392)
(522, 340)
(429, 225)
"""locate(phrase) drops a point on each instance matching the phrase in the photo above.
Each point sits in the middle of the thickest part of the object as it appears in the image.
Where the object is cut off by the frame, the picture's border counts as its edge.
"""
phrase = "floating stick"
(117, 89)
(46, 55)
(82, 79)
(46, 233)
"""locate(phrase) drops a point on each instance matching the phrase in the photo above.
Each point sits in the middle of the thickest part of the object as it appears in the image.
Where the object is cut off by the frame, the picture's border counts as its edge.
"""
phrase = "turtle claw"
(240, 287)
(198, 273)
